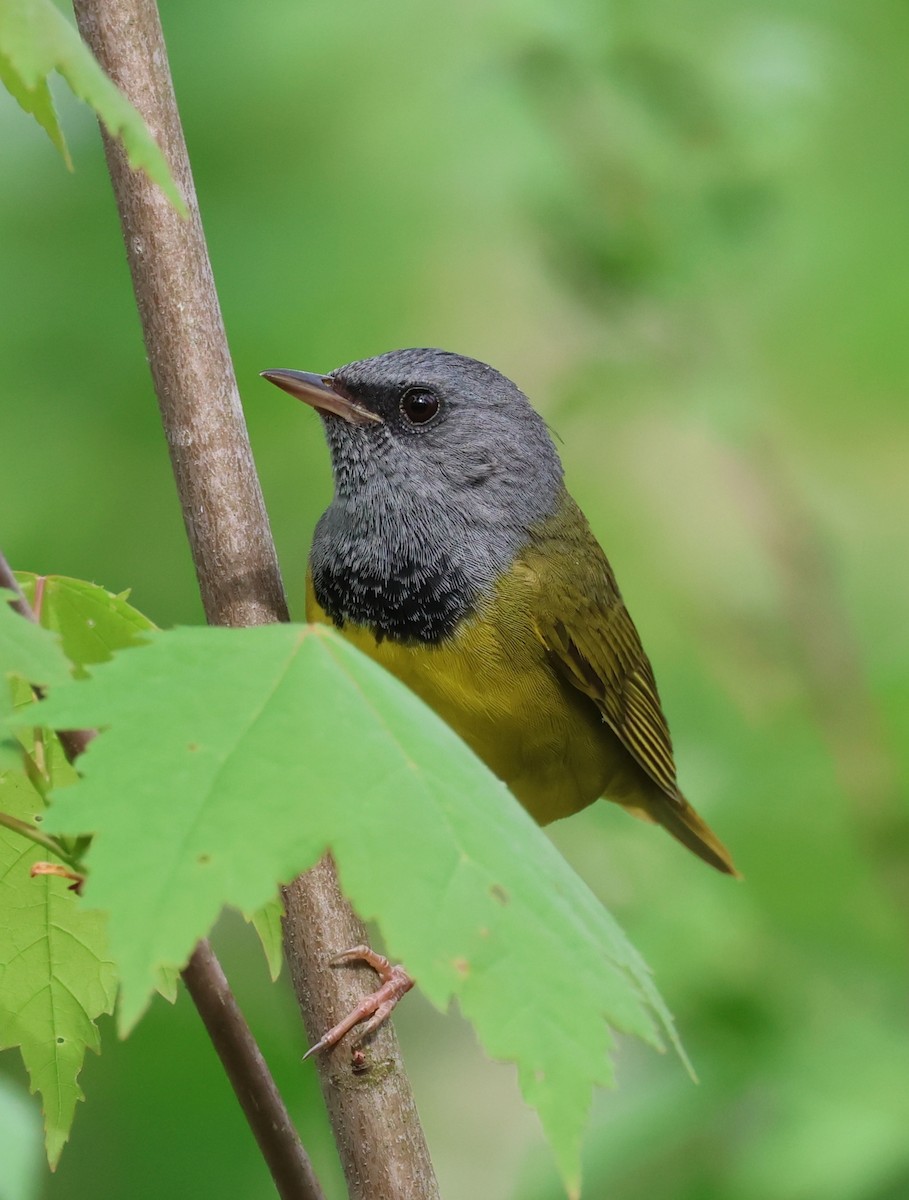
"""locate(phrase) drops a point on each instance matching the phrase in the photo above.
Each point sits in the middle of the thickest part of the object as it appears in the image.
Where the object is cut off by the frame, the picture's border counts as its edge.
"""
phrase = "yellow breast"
(493, 684)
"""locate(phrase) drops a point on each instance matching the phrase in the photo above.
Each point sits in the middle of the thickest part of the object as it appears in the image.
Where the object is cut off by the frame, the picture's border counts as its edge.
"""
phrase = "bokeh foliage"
(679, 228)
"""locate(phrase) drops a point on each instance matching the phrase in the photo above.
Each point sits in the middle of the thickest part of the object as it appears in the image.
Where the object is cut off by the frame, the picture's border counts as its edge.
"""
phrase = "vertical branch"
(378, 1134)
(364, 1108)
(222, 504)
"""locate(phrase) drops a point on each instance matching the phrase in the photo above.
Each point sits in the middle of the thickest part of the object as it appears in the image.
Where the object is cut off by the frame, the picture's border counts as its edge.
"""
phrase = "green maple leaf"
(267, 923)
(27, 650)
(28, 655)
(37, 100)
(90, 621)
(235, 758)
(56, 977)
(36, 39)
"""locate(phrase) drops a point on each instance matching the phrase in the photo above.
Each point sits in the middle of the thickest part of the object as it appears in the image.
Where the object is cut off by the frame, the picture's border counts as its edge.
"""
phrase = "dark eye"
(419, 406)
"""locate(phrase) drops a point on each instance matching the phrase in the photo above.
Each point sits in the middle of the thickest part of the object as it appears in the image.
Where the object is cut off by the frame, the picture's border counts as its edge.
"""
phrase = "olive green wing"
(582, 621)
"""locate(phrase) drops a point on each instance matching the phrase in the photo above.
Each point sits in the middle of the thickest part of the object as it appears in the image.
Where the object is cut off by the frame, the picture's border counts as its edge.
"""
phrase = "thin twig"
(248, 1072)
(207, 985)
(9, 581)
(380, 1141)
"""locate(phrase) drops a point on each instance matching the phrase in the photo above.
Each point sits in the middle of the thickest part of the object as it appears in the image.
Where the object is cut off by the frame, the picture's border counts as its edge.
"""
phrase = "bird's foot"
(372, 1009)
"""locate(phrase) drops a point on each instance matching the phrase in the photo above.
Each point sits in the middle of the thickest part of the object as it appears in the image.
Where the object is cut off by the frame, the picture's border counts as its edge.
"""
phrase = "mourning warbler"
(453, 555)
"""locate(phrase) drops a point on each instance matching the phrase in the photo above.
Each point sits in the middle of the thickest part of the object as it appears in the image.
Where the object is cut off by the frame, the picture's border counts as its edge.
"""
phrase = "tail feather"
(679, 818)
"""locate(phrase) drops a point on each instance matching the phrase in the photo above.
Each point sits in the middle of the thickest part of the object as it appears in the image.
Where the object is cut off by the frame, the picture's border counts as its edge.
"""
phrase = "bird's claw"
(372, 1009)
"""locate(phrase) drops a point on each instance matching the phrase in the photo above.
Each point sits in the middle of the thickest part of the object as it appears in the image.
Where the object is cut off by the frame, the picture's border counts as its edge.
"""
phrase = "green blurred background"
(681, 228)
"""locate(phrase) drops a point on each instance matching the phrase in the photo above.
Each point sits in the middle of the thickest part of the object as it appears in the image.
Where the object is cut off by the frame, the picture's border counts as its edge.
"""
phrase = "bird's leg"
(374, 1008)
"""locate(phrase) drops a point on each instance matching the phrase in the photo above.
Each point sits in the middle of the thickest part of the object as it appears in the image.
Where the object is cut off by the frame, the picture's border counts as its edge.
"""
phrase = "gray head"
(442, 469)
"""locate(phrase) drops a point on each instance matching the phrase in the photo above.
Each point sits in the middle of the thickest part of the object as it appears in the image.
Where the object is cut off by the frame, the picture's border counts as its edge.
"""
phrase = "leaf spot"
(462, 966)
(498, 893)
(202, 859)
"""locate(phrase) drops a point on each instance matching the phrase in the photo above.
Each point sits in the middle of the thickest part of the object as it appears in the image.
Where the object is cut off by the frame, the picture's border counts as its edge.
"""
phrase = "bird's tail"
(677, 816)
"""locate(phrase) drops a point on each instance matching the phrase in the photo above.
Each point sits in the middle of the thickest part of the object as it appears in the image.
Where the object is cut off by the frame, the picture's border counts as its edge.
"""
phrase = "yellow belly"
(492, 683)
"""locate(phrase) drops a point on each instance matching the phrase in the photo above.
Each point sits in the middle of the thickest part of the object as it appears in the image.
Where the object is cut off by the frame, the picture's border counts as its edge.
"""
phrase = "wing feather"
(595, 646)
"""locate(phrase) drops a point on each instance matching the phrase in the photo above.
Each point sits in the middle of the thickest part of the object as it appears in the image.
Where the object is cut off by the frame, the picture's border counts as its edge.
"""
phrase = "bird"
(453, 554)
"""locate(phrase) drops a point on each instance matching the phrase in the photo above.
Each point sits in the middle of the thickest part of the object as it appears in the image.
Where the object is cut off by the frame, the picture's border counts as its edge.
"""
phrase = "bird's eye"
(419, 405)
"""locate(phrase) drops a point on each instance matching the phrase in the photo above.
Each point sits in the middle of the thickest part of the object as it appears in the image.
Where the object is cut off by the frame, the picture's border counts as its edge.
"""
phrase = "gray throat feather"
(426, 519)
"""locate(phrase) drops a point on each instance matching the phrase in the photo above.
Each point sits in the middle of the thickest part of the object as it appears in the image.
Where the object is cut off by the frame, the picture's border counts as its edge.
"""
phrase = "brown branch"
(237, 1048)
(365, 1106)
(378, 1134)
(248, 1073)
